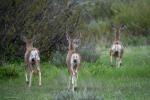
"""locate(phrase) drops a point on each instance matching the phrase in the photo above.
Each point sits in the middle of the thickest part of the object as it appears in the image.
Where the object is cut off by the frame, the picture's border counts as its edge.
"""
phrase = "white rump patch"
(34, 54)
(116, 47)
(75, 57)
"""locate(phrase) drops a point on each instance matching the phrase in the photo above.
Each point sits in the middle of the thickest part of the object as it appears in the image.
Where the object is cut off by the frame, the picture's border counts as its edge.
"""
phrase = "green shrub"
(8, 72)
(59, 58)
(135, 14)
(88, 52)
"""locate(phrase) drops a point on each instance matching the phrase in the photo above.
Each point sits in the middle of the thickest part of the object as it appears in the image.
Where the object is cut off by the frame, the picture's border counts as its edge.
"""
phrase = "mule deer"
(32, 61)
(117, 50)
(73, 61)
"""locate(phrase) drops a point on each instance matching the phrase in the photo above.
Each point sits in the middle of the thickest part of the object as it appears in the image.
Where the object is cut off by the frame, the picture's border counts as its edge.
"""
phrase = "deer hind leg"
(76, 76)
(39, 73)
(70, 78)
(121, 54)
(116, 61)
(30, 78)
(71, 83)
(111, 58)
(40, 83)
(75, 83)
(119, 61)
(26, 77)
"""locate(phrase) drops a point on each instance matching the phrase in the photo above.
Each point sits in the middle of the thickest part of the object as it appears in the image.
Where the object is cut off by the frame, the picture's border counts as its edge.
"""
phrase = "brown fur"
(117, 54)
(73, 69)
(31, 67)
(71, 50)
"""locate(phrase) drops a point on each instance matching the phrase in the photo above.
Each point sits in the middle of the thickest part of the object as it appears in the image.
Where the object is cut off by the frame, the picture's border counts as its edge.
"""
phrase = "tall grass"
(8, 71)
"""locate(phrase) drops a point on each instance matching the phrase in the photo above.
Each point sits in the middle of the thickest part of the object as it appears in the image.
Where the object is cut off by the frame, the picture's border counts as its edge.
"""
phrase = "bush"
(59, 58)
(135, 14)
(89, 53)
(8, 72)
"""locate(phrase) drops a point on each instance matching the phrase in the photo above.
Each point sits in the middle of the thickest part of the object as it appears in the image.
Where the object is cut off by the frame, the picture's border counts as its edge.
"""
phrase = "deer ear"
(113, 26)
(34, 38)
(80, 35)
(24, 38)
(79, 41)
(122, 27)
(67, 37)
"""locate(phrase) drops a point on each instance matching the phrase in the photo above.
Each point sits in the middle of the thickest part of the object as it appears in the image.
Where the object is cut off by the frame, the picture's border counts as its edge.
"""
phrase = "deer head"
(73, 42)
(117, 30)
(29, 42)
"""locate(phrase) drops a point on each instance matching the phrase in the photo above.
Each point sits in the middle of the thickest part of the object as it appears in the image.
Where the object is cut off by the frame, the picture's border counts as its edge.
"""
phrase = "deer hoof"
(120, 64)
(29, 86)
(111, 65)
(75, 88)
(27, 82)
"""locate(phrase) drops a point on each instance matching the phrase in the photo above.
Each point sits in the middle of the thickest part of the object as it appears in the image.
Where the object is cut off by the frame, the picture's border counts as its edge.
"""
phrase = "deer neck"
(29, 47)
(117, 36)
(71, 48)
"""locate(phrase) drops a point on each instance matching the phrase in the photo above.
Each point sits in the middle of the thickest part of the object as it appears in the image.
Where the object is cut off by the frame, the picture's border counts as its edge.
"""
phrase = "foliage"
(135, 14)
(49, 20)
(88, 52)
(59, 58)
(8, 72)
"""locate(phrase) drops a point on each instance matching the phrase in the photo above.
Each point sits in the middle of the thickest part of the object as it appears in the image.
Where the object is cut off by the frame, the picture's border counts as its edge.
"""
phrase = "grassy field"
(97, 81)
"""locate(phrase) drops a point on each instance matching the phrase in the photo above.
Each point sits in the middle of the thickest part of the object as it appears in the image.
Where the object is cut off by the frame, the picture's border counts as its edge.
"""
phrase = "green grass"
(97, 81)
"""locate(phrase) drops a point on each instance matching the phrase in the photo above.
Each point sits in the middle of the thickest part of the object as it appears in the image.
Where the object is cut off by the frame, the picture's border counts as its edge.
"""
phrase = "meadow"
(97, 80)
